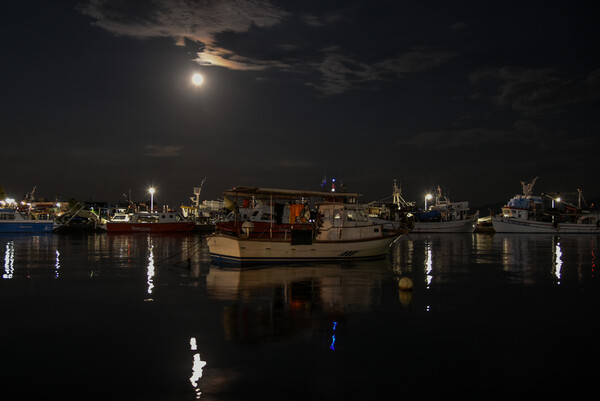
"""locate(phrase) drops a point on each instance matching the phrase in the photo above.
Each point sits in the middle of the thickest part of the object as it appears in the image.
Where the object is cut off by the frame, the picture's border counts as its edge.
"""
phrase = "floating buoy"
(405, 284)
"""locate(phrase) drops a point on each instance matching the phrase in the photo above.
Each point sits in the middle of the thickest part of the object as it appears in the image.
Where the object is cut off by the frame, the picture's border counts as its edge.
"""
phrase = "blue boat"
(11, 221)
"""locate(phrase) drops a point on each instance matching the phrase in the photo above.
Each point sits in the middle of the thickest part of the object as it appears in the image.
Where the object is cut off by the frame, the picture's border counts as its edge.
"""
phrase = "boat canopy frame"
(269, 193)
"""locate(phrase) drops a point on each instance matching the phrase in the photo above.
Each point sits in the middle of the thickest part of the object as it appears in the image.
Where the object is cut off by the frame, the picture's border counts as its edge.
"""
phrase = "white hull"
(452, 226)
(511, 225)
(228, 249)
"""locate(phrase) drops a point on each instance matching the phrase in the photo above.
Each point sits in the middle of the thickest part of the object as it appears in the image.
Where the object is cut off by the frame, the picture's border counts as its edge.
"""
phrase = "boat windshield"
(357, 215)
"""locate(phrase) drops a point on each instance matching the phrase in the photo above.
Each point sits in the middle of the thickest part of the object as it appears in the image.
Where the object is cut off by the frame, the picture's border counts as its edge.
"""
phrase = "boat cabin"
(7, 214)
(341, 221)
(156, 218)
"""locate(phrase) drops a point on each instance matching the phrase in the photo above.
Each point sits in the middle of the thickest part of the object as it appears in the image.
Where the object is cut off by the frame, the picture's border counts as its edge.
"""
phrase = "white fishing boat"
(528, 213)
(144, 222)
(336, 228)
(444, 216)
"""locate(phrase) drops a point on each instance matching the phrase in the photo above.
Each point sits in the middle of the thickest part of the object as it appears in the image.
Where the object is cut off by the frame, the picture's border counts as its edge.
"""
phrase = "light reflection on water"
(9, 260)
(197, 366)
(258, 326)
(523, 258)
(150, 273)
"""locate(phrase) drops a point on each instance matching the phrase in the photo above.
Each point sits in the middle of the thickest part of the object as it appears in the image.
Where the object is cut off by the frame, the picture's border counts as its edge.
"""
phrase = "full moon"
(197, 79)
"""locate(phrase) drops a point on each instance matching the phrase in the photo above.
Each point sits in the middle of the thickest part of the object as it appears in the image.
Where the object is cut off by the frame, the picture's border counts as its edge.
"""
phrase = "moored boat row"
(283, 225)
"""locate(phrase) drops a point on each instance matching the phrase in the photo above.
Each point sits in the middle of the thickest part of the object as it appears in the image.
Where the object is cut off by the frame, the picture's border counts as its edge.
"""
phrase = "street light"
(427, 197)
(151, 190)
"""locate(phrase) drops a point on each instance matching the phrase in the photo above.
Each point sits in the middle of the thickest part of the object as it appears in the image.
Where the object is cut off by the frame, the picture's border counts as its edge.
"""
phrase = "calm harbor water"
(141, 317)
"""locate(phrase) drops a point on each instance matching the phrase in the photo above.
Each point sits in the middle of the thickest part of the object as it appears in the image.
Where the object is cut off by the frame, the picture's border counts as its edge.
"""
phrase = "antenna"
(528, 188)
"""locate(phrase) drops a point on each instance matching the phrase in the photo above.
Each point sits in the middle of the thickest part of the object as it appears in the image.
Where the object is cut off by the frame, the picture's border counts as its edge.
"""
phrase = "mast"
(197, 191)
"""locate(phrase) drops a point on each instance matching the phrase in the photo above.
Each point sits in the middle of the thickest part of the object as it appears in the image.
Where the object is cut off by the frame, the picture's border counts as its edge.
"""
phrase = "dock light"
(555, 200)
(151, 190)
(427, 197)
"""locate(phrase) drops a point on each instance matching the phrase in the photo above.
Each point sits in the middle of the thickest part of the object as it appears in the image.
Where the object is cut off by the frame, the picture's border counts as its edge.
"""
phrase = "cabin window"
(7, 216)
(356, 215)
(362, 215)
(351, 216)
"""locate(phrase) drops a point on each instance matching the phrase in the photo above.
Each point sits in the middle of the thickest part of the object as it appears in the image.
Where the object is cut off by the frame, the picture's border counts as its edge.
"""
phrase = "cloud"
(202, 21)
(228, 59)
(537, 90)
(458, 26)
(459, 139)
(197, 21)
(295, 163)
(414, 61)
(321, 20)
(341, 73)
(162, 151)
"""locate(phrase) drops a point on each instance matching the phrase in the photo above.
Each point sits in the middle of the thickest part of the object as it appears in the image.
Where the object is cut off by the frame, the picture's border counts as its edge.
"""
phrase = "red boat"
(151, 223)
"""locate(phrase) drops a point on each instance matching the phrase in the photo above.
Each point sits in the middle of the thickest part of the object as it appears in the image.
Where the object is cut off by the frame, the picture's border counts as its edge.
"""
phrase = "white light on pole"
(427, 197)
(151, 190)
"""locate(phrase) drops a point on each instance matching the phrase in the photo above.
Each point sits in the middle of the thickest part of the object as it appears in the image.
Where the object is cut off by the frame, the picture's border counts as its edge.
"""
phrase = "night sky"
(97, 98)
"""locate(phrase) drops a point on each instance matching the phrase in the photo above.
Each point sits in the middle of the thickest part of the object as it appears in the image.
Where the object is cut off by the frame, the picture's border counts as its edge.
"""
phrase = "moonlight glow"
(197, 79)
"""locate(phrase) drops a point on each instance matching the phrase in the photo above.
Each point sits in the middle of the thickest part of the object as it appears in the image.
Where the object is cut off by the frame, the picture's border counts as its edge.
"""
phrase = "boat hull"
(508, 225)
(127, 227)
(26, 227)
(452, 226)
(226, 249)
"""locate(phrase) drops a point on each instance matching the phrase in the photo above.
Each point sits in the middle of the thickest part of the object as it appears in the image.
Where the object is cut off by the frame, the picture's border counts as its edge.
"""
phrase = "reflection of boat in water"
(528, 213)
(484, 225)
(12, 221)
(151, 222)
(337, 229)
(279, 301)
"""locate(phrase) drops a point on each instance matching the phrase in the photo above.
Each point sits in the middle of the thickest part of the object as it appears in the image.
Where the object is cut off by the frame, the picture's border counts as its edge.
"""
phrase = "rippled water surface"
(138, 317)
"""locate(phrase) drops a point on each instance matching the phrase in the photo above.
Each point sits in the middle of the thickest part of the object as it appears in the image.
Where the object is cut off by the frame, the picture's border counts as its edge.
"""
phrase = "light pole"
(151, 190)
(427, 197)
